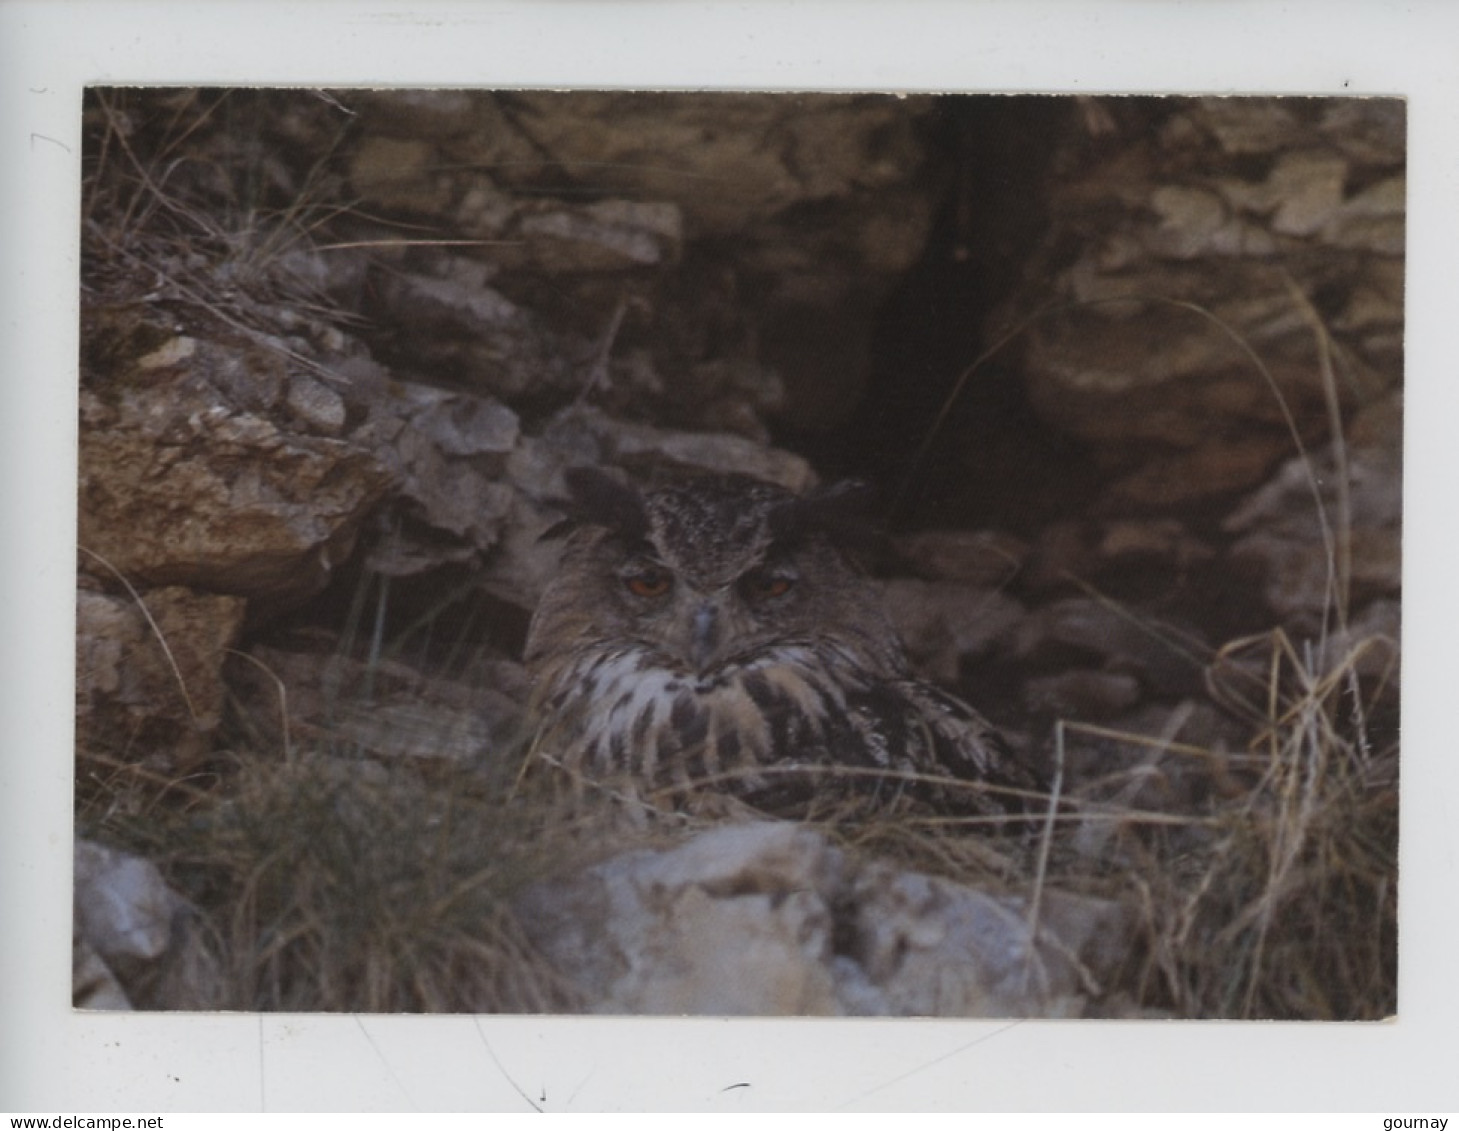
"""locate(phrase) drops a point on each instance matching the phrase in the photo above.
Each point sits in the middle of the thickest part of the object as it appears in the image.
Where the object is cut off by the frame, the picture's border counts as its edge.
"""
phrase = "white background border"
(53, 1060)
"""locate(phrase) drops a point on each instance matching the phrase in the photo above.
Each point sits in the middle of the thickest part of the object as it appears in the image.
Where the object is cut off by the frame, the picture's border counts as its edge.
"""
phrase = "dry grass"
(1273, 896)
(1286, 905)
(333, 883)
(168, 224)
(330, 884)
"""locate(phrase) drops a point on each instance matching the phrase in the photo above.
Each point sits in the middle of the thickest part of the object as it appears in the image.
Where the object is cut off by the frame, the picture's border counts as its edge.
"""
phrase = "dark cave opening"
(946, 446)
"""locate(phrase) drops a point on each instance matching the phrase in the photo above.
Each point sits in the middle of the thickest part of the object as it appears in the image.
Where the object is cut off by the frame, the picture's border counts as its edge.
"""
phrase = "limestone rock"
(607, 236)
(731, 922)
(449, 452)
(450, 320)
(933, 948)
(1302, 537)
(775, 150)
(157, 681)
(142, 933)
(93, 985)
(695, 199)
(767, 918)
(316, 404)
(1218, 221)
(594, 436)
(180, 488)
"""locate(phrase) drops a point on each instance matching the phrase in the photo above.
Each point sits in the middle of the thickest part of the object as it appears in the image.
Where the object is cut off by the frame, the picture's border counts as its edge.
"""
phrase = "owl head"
(711, 571)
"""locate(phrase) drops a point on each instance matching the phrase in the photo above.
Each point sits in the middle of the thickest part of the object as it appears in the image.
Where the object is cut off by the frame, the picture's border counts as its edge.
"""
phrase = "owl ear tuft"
(840, 511)
(596, 498)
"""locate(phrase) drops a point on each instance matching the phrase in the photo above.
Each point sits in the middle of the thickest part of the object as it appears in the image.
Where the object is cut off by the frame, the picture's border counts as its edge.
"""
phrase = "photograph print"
(739, 554)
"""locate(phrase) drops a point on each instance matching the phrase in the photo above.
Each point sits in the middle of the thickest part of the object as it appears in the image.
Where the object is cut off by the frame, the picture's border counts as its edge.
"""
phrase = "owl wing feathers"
(958, 743)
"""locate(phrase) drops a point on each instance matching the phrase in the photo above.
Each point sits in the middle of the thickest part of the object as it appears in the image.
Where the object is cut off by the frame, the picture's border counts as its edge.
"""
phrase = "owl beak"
(704, 636)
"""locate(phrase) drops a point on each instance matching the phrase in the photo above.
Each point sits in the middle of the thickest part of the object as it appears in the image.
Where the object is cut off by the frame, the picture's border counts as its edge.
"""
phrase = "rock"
(721, 453)
(153, 678)
(1249, 125)
(385, 709)
(768, 919)
(1371, 642)
(1218, 220)
(145, 935)
(464, 425)
(93, 985)
(762, 192)
(732, 922)
(123, 908)
(421, 113)
(608, 236)
(316, 404)
(1162, 374)
(932, 948)
(400, 173)
(1373, 220)
(1161, 540)
(1075, 631)
(178, 488)
(1196, 222)
(1064, 551)
(1082, 694)
(646, 450)
(1371, 131)
(1286, 527)
(1141, 563)
(1306, 188)
(942, 623)
(459, 496)
(1299, 577)
(1169, 480)
(452, 322)
(1288, 503)
(984, 559)
(447, 453)
(775, 150)
(172, 352)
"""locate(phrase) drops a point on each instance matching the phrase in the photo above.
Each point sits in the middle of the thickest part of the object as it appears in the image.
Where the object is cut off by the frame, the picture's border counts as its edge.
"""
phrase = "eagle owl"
(715, 634)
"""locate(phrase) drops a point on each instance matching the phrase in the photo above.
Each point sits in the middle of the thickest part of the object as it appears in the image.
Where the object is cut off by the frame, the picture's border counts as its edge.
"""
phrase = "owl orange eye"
(763, 585)
(649, 583)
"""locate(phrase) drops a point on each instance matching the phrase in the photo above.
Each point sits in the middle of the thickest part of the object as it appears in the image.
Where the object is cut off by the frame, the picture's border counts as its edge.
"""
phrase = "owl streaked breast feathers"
(714, 634)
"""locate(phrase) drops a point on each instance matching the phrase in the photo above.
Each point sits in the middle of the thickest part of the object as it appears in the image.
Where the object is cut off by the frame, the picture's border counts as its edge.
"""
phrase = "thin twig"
(283, 699)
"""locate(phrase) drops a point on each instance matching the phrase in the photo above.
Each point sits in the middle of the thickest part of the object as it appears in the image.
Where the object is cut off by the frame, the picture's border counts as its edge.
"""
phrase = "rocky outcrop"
(769, 919)
(1324, 533)
(202, 465)
(751, 237)
(1215, 244)
(328, 398)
